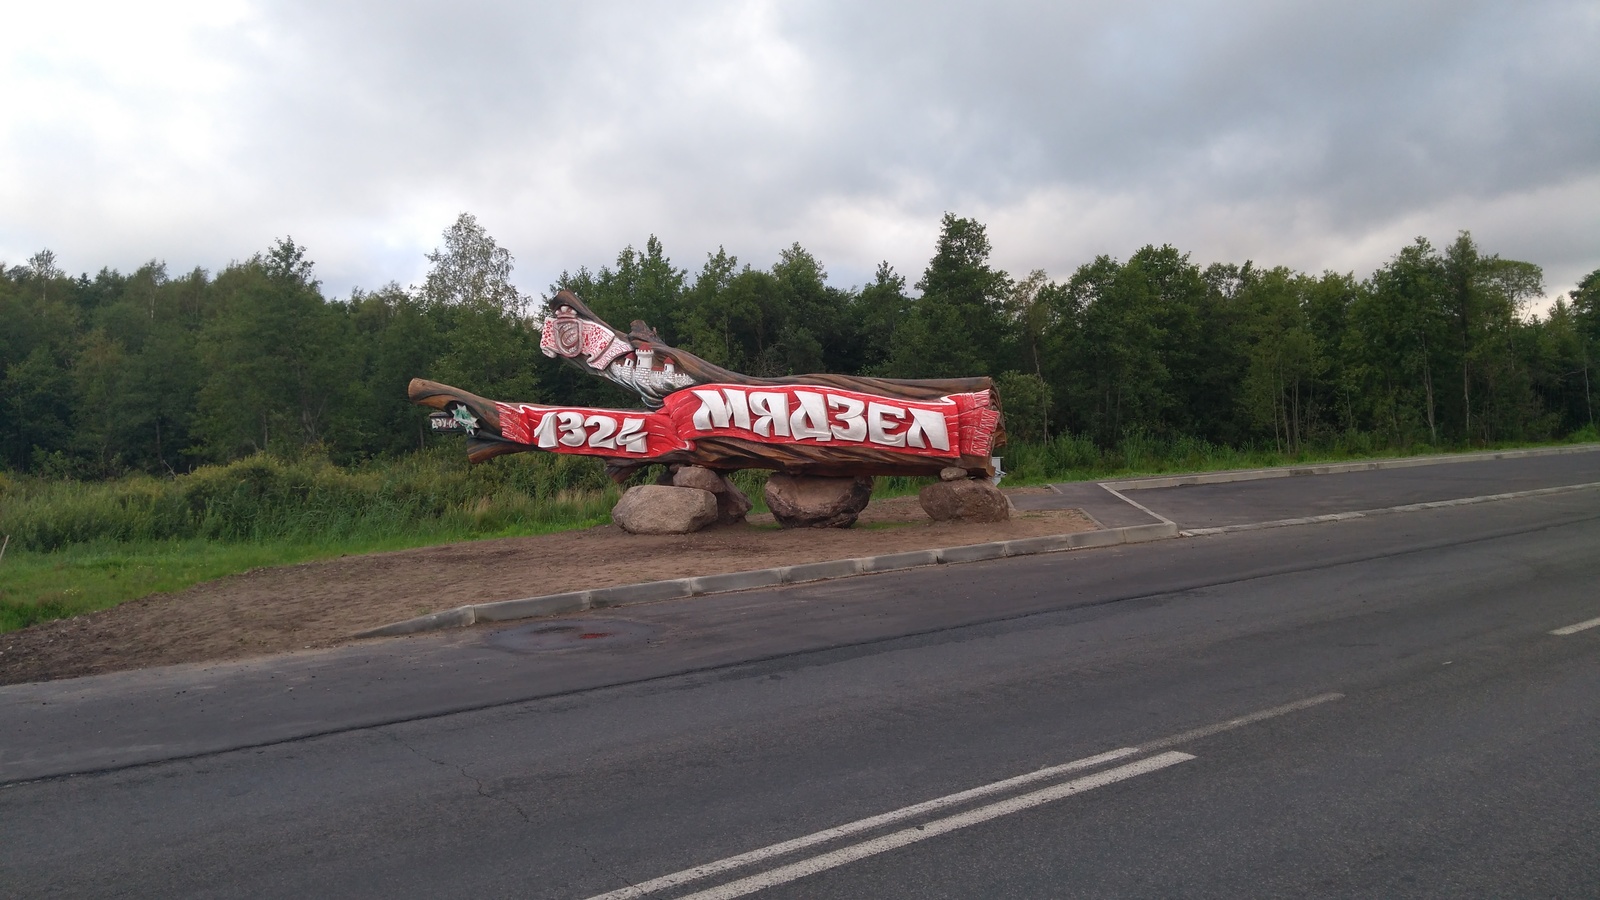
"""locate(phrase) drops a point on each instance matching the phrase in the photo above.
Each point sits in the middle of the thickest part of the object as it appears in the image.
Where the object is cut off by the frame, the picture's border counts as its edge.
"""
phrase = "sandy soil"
(321, 604)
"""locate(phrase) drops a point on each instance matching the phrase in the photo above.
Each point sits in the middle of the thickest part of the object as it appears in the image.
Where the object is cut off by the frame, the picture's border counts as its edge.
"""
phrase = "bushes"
(265, 497)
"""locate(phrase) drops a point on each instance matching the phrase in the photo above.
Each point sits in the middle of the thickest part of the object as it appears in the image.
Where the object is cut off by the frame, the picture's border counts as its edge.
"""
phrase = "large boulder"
(971, 500)
(660, 509)
(732, 504)
(811, 501)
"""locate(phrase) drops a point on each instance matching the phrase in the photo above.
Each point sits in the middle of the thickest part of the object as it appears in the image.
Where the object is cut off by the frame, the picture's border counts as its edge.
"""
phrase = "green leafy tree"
(1030, 316)
(958, 326)
(876, 313)
(472, 271)
(36, 392)
(277, 358)
(1200, 378)
(154, 320)
(397, 341)
(1484, 295)
(1025, 398)
(714, 323)
(1400, 327)
(643, 287)
(489, 348)
(102, 383)
(1285, 356)
(1327, 302)
(1586, 328)
(1559, 369)
(810, 315)
(1105, 359)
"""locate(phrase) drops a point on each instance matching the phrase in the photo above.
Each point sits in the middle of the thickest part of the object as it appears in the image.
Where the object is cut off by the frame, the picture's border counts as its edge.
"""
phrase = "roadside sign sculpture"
(700, 414)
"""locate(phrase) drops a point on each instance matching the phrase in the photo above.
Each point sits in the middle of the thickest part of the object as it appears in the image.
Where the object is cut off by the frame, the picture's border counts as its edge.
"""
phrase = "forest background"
(150, 417)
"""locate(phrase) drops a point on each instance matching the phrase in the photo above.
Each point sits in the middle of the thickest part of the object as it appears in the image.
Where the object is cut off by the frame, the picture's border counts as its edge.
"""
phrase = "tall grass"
(265, 498)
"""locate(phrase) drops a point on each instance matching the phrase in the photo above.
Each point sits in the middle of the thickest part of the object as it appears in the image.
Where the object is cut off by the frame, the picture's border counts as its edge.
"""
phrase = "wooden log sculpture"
(702, 414)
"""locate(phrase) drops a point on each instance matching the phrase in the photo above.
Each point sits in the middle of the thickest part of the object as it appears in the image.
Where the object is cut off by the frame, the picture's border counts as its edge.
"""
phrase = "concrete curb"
(1162, 481)
(1387, 510)
(650, 592)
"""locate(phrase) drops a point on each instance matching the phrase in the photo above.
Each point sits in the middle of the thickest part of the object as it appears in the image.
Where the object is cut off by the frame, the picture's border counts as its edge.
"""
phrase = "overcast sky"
(1316, 135)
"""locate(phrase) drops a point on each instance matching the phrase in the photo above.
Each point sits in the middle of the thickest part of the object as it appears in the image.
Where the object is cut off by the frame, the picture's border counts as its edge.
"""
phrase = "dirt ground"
(321, 604)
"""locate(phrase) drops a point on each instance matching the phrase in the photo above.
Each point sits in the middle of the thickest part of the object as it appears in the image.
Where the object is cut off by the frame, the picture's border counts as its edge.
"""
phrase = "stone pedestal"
(661, 509)
(969, 500)
(732, 504)
(810, 501)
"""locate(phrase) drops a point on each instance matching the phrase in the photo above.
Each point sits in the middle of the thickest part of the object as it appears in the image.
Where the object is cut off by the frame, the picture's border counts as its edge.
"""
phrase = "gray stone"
(812, 501)
(732, 504)
(971, 500)
(659, 509)
(952, 473)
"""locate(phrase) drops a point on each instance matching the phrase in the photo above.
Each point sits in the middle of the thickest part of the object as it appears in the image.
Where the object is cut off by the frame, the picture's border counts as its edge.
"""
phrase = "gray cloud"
(1315, 135)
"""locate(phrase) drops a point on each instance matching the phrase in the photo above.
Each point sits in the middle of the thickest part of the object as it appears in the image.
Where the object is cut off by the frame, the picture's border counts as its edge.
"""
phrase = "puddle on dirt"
(570, 634)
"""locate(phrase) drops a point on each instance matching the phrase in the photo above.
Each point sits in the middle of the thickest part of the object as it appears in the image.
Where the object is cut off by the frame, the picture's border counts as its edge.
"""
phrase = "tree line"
(159, 372)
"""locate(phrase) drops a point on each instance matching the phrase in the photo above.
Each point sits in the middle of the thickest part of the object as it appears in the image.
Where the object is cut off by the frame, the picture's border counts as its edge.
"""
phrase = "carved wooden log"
(702, 414)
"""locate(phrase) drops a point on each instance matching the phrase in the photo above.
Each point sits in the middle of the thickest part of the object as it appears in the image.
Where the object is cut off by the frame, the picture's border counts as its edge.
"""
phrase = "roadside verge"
(676, 588)
(1160, 528)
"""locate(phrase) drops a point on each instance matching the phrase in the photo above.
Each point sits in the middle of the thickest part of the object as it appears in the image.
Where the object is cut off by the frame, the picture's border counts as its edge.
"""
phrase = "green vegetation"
(81, 546)
(157, 430)
(262, 498)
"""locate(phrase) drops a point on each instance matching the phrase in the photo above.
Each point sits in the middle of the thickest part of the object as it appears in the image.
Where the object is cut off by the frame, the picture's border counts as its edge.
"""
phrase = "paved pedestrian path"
(1301, 491)
(1098, 503)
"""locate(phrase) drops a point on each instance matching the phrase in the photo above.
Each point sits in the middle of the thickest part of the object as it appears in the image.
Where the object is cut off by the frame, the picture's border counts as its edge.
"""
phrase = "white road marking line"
(1574, 629)
(1136, 504)
(1194, 734)
(1409, 507)
(707, 870)
(937, 827)
(860, 825)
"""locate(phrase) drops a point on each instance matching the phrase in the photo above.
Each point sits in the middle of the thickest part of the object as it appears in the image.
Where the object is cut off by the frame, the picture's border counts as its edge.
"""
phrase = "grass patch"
(37, 587)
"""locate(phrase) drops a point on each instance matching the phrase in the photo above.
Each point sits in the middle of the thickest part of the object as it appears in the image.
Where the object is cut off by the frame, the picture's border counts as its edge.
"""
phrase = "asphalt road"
(1418, 730)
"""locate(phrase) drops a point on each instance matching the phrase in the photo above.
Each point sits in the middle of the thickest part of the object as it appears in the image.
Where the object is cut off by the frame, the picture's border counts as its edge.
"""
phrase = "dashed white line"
(937, 827)
(1362, 514)
(1574, 629)
(971, 817)
(1195, 734)
(1136, 504)
(858, 826)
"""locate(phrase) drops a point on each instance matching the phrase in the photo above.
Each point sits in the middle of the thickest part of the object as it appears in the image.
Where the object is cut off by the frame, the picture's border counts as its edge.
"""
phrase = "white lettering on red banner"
(948, 426)
(960, 424)
(596, 432)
